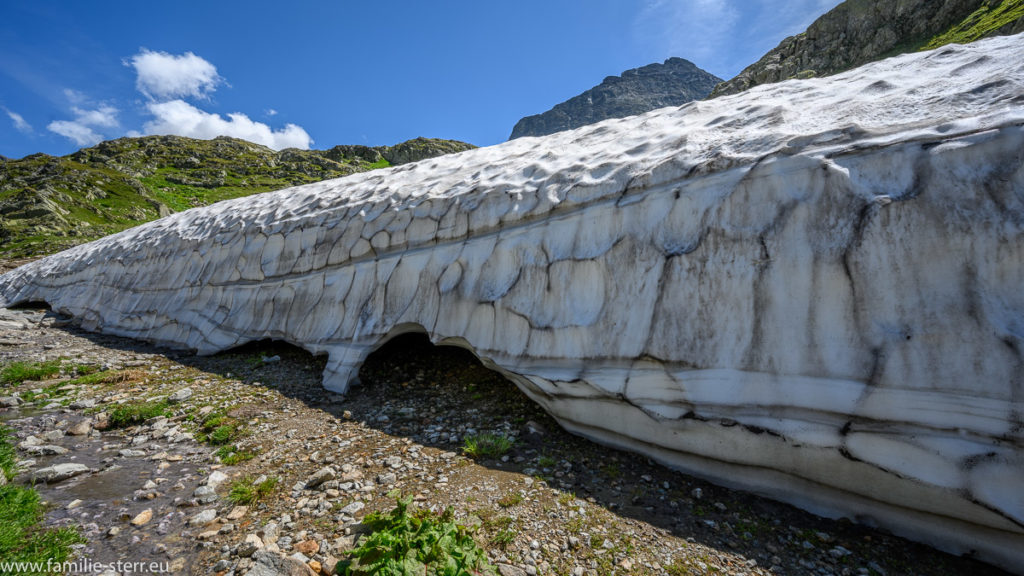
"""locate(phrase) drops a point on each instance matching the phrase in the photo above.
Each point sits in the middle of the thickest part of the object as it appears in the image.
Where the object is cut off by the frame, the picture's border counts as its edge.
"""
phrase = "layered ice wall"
(813, 290)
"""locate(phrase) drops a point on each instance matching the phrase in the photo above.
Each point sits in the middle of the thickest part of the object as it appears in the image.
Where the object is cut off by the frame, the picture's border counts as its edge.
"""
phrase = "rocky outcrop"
(673, 83)
(811, 290)
(420, 149)
(860, 31)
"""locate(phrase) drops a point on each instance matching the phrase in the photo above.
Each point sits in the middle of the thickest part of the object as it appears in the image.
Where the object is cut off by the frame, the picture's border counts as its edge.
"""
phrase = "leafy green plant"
(248, 491)
(136, 413)
(416, 542)
(486, 445)
(18, 372)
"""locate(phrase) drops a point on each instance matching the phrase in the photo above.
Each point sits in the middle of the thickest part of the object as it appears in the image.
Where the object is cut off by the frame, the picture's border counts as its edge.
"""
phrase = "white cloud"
(271, 112)
(163, 76)
(77, 133)
(74, 96)
(19, 122)
(183, 119)
(81, 129)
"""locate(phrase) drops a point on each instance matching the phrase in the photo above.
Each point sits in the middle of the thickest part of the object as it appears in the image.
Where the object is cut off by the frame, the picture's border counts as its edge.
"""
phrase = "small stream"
(132, 471)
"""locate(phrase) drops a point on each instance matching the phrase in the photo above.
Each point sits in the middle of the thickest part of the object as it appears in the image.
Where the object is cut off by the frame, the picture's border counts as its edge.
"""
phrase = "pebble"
(216, 478)
(203, 518)
(143, 517)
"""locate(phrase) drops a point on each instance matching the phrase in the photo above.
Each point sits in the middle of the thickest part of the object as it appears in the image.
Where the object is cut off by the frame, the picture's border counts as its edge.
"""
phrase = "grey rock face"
(811, 290)
(672, 83)
(854, 33)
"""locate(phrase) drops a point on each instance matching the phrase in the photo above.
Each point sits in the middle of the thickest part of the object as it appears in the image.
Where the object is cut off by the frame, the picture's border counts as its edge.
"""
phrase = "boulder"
(811, 290)
(59, 472)
(180, 396)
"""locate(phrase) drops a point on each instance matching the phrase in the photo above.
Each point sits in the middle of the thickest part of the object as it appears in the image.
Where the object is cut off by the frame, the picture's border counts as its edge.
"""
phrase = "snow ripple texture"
(813, 290)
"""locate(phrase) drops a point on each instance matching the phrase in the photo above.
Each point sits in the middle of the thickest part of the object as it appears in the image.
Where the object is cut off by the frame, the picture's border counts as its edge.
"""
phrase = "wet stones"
(59, 472)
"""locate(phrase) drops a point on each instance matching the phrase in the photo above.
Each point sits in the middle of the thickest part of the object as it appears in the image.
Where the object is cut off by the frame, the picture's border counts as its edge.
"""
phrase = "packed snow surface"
(813, 290)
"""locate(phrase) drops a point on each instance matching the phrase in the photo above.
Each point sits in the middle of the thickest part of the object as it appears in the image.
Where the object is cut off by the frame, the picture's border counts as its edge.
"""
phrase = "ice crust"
(813, 289)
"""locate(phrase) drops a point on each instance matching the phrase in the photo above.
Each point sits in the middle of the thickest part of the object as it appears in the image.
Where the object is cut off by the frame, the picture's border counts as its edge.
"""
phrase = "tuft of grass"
(18, 372)
(503, 538)
(8, 459)
(136, 413)
(511, 499)
(224, 434)
(546, 462)
(247, 491)
(22, 538)
(109, 377)
(415, 542)
(230, 455)
(486, 445)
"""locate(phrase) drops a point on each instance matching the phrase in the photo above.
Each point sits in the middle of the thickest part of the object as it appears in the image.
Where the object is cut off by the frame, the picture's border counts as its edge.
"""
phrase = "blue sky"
(317, 73)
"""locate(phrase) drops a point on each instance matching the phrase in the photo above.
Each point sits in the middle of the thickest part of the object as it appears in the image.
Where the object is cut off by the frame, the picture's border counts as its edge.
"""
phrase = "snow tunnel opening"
(444, 395)
(32, 305)
(267, 351)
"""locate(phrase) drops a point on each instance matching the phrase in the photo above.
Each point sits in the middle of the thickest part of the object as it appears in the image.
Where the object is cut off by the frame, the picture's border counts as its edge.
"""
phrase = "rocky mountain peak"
(671, 83)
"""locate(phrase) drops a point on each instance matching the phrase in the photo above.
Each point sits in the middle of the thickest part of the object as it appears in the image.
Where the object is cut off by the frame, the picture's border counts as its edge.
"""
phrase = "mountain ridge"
(860, 31)
(673, 82)
(49, 203)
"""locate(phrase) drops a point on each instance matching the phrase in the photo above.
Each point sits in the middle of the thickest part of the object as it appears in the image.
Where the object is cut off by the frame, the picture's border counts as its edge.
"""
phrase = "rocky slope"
(49, 203)
(860, 31)
(811, 290)
(673, 83)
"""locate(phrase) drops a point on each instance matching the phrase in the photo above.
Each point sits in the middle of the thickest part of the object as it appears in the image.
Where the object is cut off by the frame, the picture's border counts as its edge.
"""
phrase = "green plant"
(503, 538)
(224, 434)
(510, 499)
(230, 455)
(135, 413)
(18, 372)
(8, 460)
(612, 470)
(546, 462)
(486, 445)
(248, 491)
(108, 377)
(415, 542)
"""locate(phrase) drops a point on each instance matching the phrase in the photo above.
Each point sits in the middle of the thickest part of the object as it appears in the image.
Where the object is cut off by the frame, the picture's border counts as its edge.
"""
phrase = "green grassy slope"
(989, 19)
(51, 203)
